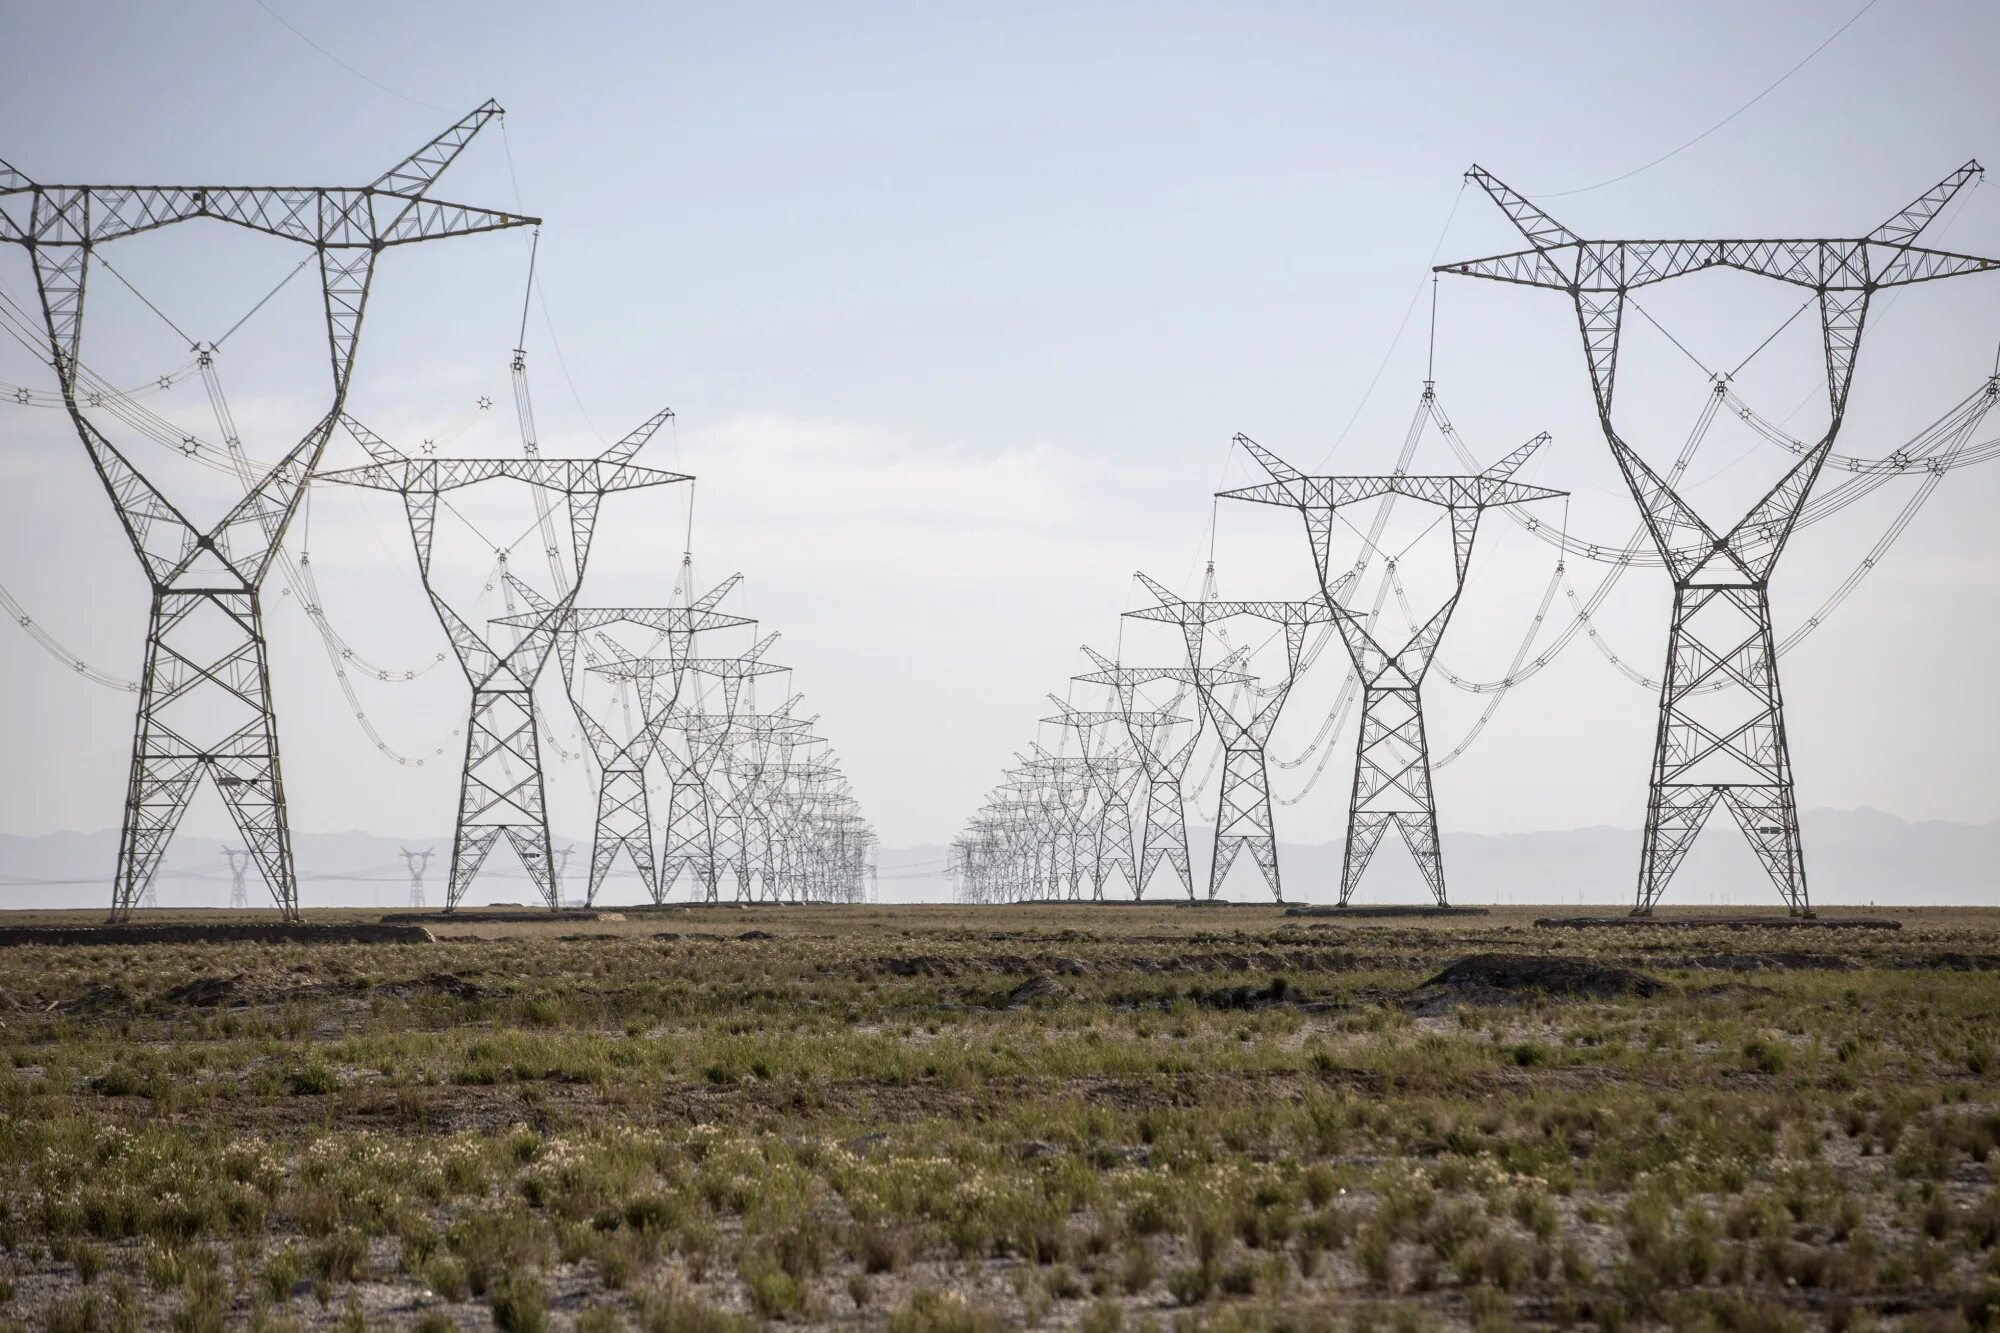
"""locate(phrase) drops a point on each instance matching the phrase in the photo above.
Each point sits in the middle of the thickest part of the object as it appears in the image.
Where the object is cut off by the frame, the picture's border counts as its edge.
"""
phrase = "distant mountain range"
(1852, 857)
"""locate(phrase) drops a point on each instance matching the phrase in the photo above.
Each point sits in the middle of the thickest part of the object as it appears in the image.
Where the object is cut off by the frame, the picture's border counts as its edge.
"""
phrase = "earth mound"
(1511, 978)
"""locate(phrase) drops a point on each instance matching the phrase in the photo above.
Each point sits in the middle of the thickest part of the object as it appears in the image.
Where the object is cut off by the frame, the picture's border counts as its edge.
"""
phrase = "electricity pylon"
(1164, 760)
(205, 697)
(1243, 816)
(1025, 805)
(1721, 734)
(1063, 789)
(694, 832)
(624, 805)
(741, 823)
(810, 785)
(501, 789)
(418, 862)
(1111, 775)
(690, 837)
(1392, 756)
(762, 780)
(240, 862)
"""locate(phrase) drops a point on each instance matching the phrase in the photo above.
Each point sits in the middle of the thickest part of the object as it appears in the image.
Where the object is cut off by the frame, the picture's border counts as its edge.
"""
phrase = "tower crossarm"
(393, 209)
(1447, 492)
(571, 476)
(583, 481)
(667, 619)
(1174, 611)
(1134, 676)
(1101, 718)
(1885, 257)
(1844, 272)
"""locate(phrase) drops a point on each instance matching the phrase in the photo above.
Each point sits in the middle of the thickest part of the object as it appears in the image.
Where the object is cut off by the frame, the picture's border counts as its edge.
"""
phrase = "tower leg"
(1392, 788)
(204, 705)
(690, 841)
(1243, 819)
(1722, 738)
(501, 792)
(622, 824)
(1364, 834)
(1114, 847)
(1165, 836)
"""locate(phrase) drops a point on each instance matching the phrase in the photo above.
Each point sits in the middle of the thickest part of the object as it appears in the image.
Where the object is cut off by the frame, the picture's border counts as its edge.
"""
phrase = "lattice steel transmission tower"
(624, 804)
(1064, 790)
(763, 781)
(418, 863)
(749, 760)
(205, 698)
(694, 833)
(1243, 812)
(1110, 775)
(690, 835)
(240, 862)
(1721, 734)
(1163, 759)
(1392, 757)
(501, 791)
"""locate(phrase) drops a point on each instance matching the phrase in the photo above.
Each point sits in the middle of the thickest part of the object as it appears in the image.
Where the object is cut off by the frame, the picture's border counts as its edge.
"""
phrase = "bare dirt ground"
(984, 1118)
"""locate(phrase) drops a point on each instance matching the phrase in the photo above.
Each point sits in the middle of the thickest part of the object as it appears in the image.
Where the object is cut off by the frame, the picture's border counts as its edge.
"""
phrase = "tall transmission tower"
(1721, 734)
(624, 805)
(501, 790)
(1392, 756)
(690, 839)
(1110, 775)
(741, 820)
(1163, 758)
(418, 863)
(1062, 786)
(204, 697)
(763, 776)
(695, 834)
(1243, 817)
(240, 862)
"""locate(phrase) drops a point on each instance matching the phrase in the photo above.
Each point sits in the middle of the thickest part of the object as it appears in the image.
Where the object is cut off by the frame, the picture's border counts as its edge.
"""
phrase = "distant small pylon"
(418, 862)
(239, 871)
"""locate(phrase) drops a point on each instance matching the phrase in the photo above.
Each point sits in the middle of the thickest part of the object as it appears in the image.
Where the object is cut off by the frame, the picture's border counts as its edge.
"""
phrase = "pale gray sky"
(959, 310)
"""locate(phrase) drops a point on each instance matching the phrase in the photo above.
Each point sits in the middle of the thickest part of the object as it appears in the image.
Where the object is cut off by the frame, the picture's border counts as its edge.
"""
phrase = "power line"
(1676, 152)
(365, 78)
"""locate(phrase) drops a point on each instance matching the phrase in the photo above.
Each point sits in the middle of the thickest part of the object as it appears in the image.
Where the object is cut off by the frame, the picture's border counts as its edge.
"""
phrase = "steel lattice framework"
(1162, 758)
(766, 779)
(1110, 776)
(240, 862)
(1392, 758)
(418, 863)
(204, 696)
(1721, 734)
(691, 826)
(752, 761)
(624, 805)
(1063, 786)
(501, 788)
(1243, 817)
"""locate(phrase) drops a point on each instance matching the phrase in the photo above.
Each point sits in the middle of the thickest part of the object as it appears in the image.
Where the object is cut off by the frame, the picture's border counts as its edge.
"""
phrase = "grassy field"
(986, 1118)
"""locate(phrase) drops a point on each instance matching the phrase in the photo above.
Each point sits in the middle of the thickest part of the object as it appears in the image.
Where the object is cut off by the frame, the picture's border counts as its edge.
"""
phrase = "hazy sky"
(959, 309)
